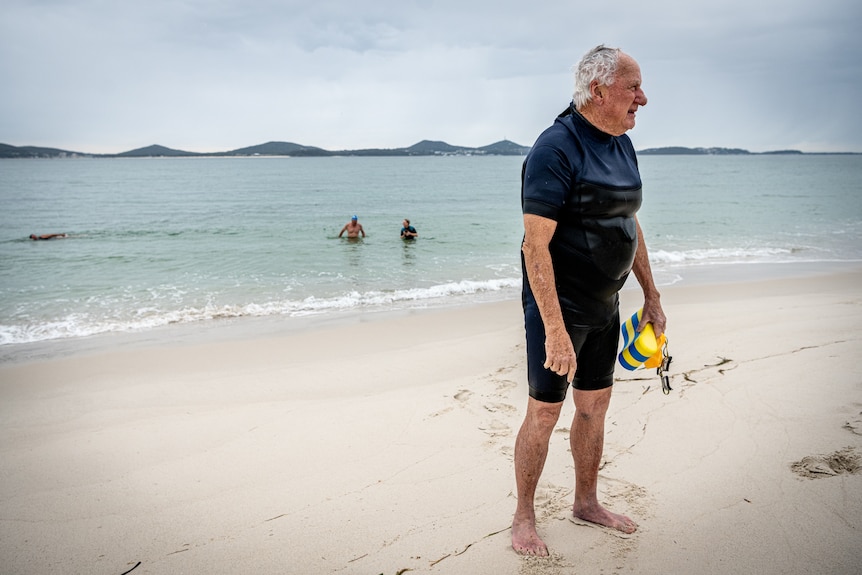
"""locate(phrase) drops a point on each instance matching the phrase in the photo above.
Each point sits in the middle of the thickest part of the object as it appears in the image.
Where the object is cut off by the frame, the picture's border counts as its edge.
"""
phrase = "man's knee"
(542, 415)
(590, 404)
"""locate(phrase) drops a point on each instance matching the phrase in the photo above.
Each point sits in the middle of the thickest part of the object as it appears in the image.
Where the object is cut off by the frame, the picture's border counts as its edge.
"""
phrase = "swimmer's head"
(354, 218)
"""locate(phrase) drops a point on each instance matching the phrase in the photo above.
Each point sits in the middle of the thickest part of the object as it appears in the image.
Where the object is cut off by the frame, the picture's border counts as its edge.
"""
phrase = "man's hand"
(560, 355)
(654, 314)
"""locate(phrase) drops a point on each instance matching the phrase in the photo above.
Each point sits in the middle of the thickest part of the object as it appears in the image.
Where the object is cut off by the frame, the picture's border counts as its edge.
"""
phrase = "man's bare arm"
(653, 312)
(559, 353)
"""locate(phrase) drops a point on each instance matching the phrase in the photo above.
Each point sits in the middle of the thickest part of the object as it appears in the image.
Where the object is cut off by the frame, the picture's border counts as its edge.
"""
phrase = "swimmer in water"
(47, 236)
(353, 228)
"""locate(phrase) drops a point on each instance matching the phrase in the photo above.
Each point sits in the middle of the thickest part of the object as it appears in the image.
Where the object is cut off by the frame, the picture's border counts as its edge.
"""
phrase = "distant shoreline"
(289, 149)
(423, 148)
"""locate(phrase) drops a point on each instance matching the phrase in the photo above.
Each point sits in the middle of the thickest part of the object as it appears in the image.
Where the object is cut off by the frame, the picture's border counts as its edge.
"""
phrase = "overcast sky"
(107, 76)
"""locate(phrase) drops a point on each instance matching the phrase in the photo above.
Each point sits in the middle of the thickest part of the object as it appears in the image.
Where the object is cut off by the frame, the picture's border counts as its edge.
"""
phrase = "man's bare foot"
(525, 540)
(601, 516)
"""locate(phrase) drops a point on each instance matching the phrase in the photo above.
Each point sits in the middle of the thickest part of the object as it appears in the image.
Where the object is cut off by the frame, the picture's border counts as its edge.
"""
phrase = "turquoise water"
(153, 242)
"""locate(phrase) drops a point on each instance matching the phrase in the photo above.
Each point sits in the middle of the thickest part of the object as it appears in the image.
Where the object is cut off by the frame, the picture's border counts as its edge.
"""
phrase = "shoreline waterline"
(247, 328)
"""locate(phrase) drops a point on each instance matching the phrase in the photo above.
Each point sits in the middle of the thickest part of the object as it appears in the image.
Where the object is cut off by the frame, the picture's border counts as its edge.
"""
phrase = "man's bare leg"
(587, 441)
(531, 451)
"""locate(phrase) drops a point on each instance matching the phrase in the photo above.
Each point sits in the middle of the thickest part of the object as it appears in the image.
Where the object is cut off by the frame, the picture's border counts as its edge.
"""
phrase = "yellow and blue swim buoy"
(640, 349)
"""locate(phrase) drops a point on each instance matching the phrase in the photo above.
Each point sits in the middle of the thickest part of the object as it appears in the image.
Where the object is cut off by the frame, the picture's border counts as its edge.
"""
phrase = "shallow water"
(157, 242)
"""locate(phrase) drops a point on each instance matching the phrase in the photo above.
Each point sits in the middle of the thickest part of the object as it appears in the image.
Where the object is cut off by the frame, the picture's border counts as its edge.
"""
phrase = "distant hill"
(154, 151)
(505, 148)
(7, 151)
(278, 149)
(429, 147)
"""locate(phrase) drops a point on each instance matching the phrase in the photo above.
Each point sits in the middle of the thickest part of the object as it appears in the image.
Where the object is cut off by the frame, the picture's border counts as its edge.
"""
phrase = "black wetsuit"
(588, 182)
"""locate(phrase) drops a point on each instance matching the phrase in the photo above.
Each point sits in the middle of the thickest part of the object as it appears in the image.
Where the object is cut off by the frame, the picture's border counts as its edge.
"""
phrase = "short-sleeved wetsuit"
(588, 182)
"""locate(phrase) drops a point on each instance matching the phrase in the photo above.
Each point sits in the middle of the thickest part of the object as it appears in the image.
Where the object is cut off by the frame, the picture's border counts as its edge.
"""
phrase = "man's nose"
(641, 98)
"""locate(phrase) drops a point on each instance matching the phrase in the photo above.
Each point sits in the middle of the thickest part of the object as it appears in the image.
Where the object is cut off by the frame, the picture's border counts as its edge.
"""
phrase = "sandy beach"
(383, 445)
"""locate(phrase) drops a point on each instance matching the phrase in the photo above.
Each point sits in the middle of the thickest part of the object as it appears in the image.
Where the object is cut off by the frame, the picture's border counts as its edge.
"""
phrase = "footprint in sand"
(500, 407)
(441, 412)
(505, 385)
(855, 425)
(846, 460)
(496, 428)
(463, 395)
(554, 564)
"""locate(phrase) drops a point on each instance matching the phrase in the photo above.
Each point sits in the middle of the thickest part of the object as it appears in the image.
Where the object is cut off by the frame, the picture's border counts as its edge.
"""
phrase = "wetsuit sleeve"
(546, 179)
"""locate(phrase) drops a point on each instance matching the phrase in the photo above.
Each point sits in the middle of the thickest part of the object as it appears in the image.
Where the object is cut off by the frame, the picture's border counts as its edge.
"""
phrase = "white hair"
(599, 64)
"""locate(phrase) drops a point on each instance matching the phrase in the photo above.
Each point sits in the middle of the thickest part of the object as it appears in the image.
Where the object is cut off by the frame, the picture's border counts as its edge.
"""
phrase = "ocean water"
(156, 242)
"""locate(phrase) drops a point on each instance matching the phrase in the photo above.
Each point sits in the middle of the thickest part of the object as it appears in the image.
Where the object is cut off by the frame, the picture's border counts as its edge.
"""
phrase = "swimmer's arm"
(653, 312)
(560, 355)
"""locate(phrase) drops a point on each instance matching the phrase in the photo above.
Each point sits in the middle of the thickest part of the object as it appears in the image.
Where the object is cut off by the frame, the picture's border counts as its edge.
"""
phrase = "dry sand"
(384, 445)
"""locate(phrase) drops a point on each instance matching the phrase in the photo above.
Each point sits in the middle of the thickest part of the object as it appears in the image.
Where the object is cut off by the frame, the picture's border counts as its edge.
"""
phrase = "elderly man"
(353, 228)
(580, 191)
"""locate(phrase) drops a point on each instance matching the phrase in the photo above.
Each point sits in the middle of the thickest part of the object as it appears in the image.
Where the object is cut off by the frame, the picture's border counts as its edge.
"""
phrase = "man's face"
(622, 98)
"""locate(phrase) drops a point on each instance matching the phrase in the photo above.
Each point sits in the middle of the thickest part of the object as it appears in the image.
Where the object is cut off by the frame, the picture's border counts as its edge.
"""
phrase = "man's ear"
(597, 91)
